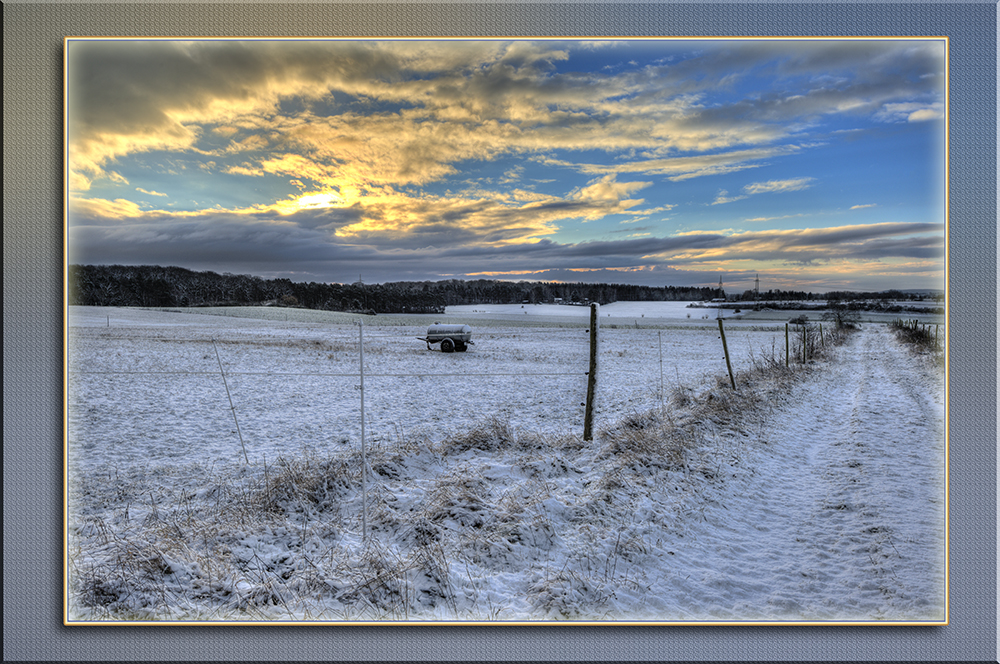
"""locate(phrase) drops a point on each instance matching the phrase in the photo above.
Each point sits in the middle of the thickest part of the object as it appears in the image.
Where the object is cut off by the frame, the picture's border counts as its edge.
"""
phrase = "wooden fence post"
(786, 345)
(588, 415)
(804, 344)
(725, 349)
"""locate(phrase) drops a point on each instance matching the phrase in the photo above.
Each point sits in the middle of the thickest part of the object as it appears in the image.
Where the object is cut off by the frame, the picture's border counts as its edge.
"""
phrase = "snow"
(814, 494)
(622, 310)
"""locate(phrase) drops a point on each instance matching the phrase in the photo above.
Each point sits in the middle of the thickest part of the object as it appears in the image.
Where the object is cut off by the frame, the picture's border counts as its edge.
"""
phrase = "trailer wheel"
(461, 347)
(447, 345)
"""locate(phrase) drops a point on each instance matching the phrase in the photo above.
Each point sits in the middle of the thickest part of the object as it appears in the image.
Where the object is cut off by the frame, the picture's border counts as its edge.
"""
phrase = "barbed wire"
(157, 336)
(318, 375)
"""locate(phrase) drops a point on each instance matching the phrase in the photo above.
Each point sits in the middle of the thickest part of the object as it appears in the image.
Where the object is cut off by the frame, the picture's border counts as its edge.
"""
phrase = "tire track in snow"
(844, 517)
(878, 514)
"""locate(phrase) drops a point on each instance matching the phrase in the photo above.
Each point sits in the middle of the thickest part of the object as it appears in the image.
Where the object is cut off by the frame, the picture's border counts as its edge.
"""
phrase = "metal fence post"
(659, 338)
(364, 457)
(588, 415)
(231, 406)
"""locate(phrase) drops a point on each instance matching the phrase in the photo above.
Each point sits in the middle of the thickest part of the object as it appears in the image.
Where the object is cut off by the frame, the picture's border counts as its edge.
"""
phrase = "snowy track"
(845, 514)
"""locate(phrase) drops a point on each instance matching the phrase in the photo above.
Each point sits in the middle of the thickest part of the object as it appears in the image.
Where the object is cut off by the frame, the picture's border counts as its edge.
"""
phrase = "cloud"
(685, 168)
(609, 195)
(861, 207)
(412, 152)
(778, 186)
(911, 112)
(438, 103)
(253, 143)
(99, 210)
(512, 175)
(925, 114)
(769, 187)
(724, 197)
(245, 169)
(826, 249)
(389, 217)
(489, 221)
(778, 218)
(429, 237)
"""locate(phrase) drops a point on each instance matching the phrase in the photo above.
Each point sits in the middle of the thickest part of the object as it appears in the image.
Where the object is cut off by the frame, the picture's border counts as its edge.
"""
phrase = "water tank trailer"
(451, 337)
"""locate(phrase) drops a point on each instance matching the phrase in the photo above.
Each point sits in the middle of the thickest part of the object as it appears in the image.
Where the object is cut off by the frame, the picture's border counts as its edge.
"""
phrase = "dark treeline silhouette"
(885, 295)
(778, 295)
(489, 291)
(882, 301)
(154, 286)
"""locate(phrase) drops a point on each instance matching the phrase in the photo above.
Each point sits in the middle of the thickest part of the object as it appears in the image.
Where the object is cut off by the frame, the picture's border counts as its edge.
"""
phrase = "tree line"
(778, 295)
(155, 286)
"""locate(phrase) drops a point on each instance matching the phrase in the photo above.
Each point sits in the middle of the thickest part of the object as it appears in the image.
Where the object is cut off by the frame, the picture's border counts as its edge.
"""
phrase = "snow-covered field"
(810, 494)
(674, 313)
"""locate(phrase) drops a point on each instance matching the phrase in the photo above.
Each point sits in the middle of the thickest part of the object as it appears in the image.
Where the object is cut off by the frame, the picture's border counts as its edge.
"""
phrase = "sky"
(817, 164)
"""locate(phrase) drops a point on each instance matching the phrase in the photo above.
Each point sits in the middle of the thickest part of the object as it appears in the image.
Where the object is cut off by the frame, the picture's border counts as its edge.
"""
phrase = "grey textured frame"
(33, 348)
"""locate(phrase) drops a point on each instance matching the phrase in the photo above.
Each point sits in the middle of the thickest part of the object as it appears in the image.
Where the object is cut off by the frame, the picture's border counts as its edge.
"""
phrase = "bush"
(911, 332)
(844, 317)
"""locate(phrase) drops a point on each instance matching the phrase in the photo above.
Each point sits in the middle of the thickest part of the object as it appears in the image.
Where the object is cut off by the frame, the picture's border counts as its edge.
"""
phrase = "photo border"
(33, 351)
(624, 621)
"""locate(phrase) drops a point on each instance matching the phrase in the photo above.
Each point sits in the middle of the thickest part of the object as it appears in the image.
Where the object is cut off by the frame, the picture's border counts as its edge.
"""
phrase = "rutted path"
(843, 518)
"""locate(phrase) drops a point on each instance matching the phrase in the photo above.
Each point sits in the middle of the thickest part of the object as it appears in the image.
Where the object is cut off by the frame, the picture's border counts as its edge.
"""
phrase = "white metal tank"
(452, 337)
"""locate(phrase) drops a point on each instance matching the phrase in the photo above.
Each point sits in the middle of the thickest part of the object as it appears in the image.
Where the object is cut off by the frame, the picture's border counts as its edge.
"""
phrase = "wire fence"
(139, 394)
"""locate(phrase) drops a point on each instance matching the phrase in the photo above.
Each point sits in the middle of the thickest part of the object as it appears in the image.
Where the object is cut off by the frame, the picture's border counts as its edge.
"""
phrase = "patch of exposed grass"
(492, 434)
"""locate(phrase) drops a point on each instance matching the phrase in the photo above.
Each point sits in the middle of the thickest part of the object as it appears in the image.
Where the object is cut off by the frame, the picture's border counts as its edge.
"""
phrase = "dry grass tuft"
(459, 500)
(491, 435)
(309, 484)
(651, 441)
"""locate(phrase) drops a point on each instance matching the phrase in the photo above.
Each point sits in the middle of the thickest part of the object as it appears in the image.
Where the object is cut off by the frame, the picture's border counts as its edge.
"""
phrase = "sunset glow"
(819, 164)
